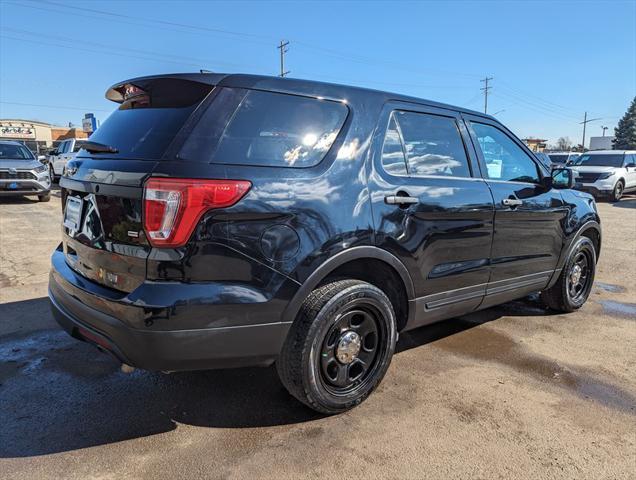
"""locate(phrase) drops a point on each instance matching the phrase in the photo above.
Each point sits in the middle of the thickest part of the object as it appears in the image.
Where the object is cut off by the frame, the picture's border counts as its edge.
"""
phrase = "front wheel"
(340, 346)
(45, 198)
(617, 193)
(574, 285)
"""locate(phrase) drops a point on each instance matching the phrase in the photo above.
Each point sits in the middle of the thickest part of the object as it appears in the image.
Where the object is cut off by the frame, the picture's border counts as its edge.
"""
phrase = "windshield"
(591, 160)
(14, 152)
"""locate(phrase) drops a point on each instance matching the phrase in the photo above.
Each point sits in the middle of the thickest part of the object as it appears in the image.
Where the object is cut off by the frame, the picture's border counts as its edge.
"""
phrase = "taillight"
(174, 206)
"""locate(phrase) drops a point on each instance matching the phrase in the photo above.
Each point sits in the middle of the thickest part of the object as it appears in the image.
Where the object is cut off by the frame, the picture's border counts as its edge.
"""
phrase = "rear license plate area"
(73, 213)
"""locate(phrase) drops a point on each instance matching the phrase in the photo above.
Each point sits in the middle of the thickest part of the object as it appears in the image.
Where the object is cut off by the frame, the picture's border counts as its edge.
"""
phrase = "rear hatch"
(102, 191)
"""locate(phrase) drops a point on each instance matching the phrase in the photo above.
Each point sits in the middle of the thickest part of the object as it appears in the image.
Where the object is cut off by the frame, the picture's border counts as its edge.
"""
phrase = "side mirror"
(42, 158)
(562, 178)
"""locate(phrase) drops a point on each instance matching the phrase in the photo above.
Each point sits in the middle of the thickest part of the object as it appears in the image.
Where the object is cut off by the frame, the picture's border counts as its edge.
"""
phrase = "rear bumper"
(172, 350)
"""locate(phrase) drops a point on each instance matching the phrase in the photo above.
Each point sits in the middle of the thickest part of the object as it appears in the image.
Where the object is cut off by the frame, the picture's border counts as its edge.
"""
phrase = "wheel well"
(594, 235)
(380, 274)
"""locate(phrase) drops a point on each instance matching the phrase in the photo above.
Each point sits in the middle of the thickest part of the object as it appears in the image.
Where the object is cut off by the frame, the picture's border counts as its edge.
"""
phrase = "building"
(38, 136)
(535, 144)
(601, 143)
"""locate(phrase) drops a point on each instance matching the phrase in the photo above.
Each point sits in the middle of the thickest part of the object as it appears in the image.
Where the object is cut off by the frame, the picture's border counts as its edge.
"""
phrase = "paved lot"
(510, 392)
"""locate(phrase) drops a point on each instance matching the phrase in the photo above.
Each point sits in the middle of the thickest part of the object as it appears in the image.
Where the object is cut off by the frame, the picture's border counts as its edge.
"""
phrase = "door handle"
(512, 202)
(400, 200)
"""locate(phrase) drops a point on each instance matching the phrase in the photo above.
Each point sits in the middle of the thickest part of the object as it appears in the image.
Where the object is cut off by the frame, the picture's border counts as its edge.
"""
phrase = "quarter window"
(505, 160)
(393, 159)
(250, 127)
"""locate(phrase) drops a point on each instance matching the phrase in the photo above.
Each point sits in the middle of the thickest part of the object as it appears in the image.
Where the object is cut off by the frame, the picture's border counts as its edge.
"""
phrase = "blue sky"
(551, 61)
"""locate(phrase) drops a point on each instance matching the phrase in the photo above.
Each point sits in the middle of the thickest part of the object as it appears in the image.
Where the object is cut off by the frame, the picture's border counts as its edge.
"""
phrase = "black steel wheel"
(574, 284)
(350, 348)
(339, 347)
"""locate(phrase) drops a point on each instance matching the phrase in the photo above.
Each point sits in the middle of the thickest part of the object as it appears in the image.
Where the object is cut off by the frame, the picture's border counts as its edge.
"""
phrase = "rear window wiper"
(95, 147)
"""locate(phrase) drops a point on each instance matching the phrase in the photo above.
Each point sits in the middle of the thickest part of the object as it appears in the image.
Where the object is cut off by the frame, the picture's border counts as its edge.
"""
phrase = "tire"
(562, 297)
(44, 198)
(51, 173)
(318, 364)
(617, 193)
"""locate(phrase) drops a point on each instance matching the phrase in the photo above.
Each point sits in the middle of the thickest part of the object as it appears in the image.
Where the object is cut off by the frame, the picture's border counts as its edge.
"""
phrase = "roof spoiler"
(122, 91)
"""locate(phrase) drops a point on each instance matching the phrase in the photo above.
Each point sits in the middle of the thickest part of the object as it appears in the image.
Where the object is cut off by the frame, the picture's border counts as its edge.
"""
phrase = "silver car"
(21, 173)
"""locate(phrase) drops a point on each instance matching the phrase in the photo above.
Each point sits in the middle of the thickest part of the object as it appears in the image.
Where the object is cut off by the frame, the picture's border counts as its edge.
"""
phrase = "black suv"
(227, 220)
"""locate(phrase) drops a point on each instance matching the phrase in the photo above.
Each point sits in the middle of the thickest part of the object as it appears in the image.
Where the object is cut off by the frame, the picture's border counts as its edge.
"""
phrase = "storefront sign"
(15, 130)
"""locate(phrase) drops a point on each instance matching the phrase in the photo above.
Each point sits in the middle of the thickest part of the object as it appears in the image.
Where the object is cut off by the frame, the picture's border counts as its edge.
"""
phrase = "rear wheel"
(340, 346)
(573, 287)
(617, 193)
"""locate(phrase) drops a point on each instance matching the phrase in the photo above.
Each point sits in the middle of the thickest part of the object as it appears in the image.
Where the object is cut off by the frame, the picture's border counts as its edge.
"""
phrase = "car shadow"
(59, 394)
(628, 201)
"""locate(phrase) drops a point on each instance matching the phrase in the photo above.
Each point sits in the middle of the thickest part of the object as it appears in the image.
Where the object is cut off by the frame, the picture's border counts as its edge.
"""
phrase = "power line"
(486, 89)
(283, 50)
(123, 18)
(534, 107)
(167, 57)
(85, 109)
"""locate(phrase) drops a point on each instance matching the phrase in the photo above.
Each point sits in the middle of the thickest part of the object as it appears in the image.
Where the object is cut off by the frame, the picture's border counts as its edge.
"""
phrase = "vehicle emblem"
(13, 171)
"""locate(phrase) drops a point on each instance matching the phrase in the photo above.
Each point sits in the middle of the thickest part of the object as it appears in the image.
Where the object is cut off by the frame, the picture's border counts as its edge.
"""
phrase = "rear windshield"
(145, 124)
(251, 127)
(559, 158)
(611, 160)
(9, 151)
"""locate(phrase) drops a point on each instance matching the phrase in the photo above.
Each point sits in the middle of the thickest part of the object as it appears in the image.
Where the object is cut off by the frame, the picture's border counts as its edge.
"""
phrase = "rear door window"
(422, 145)
(265, 129)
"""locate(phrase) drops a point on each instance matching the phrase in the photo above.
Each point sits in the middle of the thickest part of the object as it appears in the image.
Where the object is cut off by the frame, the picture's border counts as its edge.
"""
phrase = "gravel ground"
(510, 392)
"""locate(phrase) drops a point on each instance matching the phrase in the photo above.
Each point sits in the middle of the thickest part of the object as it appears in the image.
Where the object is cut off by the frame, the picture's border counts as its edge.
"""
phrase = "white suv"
(65, 151)
(606, 173)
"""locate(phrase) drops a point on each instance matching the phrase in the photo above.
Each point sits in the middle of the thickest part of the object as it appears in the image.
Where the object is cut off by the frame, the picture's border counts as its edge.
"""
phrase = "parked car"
(606, 173)
(545, 160)
(228, 220)
(562, 158)
(21, 173)
(65, 151)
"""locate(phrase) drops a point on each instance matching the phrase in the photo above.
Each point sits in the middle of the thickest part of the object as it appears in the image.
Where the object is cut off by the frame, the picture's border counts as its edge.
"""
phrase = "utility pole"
(584, 123)
(604, 128)
(283, 50)
(486, 89)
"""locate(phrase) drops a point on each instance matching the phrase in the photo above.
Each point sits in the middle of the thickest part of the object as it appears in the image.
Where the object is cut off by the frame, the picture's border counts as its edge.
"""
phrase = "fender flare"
(565, 254)
(339, 259)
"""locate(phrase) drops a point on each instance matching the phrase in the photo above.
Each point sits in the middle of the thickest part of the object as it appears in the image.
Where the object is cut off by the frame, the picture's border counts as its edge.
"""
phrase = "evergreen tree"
(625, 132)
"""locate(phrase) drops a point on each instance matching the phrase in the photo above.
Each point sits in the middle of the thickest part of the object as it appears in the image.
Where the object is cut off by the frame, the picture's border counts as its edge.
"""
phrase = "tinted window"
(559, 157)
(433, 145)
(599, 160)
(146, 123)
(393, 159)
(505, 160)
(274, 129)
(18, 152)
(78, 146)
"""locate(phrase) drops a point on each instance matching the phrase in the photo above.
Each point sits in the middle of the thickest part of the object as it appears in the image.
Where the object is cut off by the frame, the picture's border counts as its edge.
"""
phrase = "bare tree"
(564, 144)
